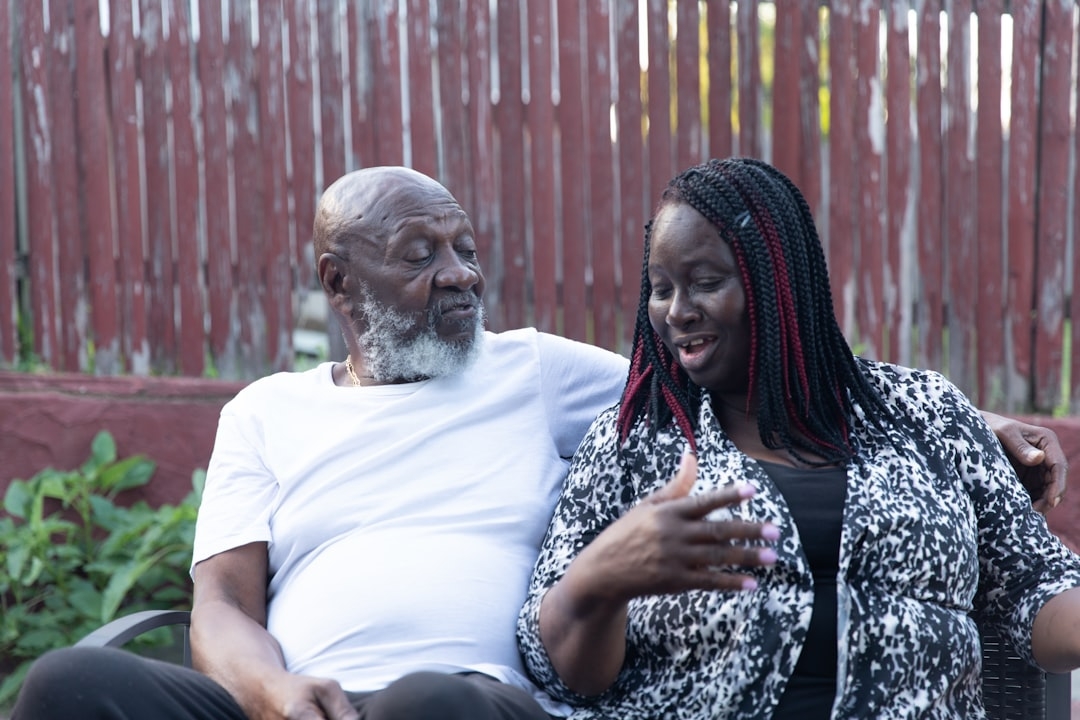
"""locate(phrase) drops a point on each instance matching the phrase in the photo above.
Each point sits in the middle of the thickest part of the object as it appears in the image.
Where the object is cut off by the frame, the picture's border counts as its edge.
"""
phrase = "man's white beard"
(391, 355)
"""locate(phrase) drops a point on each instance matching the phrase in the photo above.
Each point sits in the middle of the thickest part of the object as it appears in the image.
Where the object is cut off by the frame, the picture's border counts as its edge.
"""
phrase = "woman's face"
(697, 305)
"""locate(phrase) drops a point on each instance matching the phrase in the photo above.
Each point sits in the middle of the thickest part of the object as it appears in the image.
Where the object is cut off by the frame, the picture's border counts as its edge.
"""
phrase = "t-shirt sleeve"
(579, 382)
(239, 492)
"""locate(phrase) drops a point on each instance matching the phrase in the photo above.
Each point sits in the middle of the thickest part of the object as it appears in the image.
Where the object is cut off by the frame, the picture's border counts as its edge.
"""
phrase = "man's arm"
(230, 643)
(1037, 456)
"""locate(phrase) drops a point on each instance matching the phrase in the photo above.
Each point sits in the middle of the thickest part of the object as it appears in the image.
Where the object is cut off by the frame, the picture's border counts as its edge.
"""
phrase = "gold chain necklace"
(352, 372)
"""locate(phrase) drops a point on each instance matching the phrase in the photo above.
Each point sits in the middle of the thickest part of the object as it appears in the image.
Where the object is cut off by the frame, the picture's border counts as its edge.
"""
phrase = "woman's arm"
(1055, 636)
(664, 545)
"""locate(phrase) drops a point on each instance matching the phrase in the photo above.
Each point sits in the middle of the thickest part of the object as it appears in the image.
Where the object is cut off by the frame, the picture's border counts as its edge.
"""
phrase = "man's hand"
(299, 697)
(1036, 455)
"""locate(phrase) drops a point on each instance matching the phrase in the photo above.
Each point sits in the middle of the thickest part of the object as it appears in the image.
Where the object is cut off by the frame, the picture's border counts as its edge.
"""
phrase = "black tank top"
(815, 497)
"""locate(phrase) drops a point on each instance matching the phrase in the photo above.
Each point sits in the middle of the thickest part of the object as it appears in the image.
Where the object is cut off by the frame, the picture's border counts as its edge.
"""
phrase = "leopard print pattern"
(936, 528)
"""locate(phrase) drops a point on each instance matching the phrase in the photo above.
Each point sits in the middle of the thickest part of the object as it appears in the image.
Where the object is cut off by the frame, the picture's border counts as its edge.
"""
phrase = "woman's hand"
(1037, 457)
(666, 544)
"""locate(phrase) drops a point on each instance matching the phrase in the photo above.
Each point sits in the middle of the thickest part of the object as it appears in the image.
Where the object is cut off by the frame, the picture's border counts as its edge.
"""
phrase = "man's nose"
(456, 273)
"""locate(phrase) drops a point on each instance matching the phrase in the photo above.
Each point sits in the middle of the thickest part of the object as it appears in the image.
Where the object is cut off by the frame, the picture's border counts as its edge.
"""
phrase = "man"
(368, 527)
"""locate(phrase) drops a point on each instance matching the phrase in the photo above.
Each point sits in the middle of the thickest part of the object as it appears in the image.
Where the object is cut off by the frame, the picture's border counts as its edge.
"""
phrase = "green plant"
(71, 557)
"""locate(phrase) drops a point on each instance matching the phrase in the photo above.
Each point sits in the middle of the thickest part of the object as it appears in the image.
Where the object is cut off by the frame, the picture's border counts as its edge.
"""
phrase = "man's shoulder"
(546, 343)
(281, 384)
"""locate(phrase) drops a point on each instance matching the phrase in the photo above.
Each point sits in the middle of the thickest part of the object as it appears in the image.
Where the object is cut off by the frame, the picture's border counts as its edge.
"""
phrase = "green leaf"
(10, 686)
(102, 452)
(133, 472)
(17, 499)
(16, 560)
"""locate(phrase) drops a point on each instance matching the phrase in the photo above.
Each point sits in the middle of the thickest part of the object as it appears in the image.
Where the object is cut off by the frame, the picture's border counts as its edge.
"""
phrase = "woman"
(832, 521)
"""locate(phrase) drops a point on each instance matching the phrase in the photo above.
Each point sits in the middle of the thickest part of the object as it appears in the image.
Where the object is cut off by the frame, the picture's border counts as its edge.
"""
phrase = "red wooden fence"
(159, 168)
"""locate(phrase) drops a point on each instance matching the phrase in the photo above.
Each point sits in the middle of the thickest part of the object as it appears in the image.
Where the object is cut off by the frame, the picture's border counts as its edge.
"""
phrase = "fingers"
(334, 702)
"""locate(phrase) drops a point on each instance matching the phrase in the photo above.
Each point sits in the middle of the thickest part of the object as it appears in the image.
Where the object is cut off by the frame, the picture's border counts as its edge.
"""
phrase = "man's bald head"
(366, 204)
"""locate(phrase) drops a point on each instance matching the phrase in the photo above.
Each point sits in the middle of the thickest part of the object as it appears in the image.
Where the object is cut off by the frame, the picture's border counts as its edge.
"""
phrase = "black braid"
(804, 376)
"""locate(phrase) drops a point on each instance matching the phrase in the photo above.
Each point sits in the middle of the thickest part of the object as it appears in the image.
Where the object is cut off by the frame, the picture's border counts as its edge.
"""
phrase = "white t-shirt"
(403, 521)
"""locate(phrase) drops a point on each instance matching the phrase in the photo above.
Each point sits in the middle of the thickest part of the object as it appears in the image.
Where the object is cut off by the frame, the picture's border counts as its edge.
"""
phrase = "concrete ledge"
(49, 420)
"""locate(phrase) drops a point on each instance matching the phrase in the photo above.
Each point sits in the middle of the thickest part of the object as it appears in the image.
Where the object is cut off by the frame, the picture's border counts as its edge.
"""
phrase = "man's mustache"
(454, 302)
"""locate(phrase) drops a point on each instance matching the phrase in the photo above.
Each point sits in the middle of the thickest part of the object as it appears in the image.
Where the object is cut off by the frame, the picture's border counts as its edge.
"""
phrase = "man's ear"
(332, 270)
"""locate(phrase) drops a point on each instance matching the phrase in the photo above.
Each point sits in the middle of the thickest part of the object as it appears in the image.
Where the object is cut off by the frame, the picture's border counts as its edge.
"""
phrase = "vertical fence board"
(540, 127)
(386, 83)
(331, 93)
(929, 306)
(153, 66)
(989, 193)
(688, 86)
(454, 142)
(575, 237)
(1023, 153)
(600, 185)
(1053, 203)
(9, 337)
(632, 202)
(720, 62)
(360, 60)
(271, 129)
(41, 224)
(786, 122)
(127, 165)
(898, 180)
(217, 202)
(810, 159)
(661, 154)
(961, 248)
(422, 89)
(300, 96)
(93, 125)
(72, 310)
(842, 228)
(191, 353)
(481, 124)
(869, 213)
(511, 252)
(746, 21)
(242, 91)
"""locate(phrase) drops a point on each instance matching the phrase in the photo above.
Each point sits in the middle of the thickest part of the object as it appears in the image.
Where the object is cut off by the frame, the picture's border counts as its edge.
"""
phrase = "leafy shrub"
(72, 559)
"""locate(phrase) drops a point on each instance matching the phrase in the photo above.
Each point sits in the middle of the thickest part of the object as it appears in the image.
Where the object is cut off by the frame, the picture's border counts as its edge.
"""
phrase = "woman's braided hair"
(802, 372)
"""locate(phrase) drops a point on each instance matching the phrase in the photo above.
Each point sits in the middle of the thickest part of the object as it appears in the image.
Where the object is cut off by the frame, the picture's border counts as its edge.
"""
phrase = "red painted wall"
(49, 420)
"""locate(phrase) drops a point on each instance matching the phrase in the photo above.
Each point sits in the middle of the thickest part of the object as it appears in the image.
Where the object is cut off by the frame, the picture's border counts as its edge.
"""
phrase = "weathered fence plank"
(961, 252)
(869, 212)
(842, 222)
(93, 125)
(720, 62)
(41, 218)
(929, 293)
(1023, 159)
(71, 280)
(660, 151)
(632, 202)
(127, 170)
(1053, 203)
(687, 86)
(787, 76)
(899, 232)
(574, 169)
(540, 148)
(191, 350)
(989, 193)
(9, 307)
(600, 185)
(509, 140)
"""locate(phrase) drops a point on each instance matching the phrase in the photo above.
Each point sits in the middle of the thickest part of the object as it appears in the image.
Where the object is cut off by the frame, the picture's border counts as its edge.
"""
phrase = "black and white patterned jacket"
(935, 527)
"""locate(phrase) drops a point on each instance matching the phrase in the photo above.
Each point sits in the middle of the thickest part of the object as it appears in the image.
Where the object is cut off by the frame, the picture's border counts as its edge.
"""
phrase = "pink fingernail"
(749, 584)
(770, 532)
(747, 491)
(767, 556)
